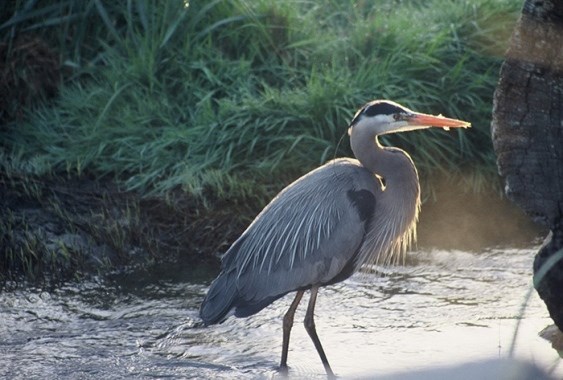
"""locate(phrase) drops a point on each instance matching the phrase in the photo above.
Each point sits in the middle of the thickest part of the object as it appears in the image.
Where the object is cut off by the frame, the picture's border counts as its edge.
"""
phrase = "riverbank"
(59, 229)
(56, 229)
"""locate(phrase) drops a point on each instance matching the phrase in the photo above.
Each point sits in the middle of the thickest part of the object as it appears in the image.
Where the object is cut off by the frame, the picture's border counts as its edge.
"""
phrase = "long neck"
(369, 152)
(393, 164)
(399, 201)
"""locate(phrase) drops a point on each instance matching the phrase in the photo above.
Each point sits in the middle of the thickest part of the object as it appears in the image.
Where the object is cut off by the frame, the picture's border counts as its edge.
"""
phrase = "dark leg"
(287, 324)
(310, 327)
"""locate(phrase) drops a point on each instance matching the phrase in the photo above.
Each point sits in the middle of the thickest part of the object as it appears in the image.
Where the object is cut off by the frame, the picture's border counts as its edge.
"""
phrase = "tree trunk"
(527, 132)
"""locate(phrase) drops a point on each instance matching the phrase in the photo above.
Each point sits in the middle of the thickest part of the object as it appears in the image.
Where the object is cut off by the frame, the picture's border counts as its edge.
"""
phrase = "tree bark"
(527, 132)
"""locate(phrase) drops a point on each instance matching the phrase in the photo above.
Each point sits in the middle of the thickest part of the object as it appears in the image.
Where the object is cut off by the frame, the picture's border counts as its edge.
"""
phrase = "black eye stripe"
(379, 107)
(382, 108)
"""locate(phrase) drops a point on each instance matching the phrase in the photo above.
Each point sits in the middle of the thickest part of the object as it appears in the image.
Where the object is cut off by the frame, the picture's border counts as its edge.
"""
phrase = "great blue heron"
(326, 225)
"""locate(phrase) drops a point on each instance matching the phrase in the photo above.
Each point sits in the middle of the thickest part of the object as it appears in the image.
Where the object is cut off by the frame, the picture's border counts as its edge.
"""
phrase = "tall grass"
(232, 99)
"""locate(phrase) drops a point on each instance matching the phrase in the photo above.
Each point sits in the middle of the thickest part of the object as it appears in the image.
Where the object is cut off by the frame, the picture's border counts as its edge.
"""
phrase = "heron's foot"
(283, 370)
(329, 374)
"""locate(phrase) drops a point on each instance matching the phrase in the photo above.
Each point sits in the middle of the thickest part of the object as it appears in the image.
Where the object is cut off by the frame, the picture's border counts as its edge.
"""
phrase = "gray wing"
(306, 236)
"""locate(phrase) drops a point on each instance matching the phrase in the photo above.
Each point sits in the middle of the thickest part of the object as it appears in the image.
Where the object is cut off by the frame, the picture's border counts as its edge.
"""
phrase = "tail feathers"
(219, 300)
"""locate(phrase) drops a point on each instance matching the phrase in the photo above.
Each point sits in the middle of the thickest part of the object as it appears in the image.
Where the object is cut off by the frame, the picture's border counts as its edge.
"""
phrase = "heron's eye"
(401, 116)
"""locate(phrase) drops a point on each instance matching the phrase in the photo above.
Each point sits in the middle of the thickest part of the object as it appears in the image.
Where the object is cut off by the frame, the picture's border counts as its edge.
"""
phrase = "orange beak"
(421, 119)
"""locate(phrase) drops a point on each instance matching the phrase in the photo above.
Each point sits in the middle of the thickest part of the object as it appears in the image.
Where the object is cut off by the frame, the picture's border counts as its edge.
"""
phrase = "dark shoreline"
(66, 228)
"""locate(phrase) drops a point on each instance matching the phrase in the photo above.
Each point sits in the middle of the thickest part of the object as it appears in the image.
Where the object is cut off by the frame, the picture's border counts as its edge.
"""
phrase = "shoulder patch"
(364, 201)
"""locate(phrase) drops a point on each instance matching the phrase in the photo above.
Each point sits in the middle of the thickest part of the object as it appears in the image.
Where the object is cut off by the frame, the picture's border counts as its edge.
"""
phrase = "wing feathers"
(307, 235)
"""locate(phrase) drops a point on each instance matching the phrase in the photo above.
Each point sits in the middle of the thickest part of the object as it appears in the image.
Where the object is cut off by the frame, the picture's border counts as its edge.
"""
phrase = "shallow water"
(447, 308)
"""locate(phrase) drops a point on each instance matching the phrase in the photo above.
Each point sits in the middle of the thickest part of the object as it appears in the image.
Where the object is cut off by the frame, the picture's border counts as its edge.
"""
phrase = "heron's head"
(384, 116)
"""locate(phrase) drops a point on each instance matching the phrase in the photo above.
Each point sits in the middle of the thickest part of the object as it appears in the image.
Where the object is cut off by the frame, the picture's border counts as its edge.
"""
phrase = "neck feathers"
(393, 228)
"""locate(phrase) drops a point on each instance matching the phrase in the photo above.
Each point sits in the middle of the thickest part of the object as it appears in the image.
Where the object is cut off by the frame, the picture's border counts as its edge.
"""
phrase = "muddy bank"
(64, 228)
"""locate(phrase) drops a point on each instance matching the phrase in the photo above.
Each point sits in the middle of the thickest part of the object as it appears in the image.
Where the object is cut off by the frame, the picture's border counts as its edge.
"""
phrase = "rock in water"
(527, 132)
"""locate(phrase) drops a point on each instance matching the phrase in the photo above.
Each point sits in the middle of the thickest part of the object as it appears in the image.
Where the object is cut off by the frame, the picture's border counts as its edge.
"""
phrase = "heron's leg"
(287, 325)
(310, 327)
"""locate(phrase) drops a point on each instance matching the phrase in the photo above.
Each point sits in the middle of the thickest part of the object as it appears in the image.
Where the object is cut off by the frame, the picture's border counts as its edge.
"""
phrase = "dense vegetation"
(231, 97)
(228, 101)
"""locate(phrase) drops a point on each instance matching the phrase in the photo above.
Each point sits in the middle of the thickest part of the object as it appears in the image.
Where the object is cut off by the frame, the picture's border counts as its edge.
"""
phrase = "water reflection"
(444, 307)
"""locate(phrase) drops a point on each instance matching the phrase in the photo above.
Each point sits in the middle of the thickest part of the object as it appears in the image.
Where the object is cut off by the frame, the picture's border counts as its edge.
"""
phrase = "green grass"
(234, 99)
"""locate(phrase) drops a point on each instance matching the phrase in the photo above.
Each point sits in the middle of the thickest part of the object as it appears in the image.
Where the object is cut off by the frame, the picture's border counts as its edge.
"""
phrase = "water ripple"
(445, 306)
